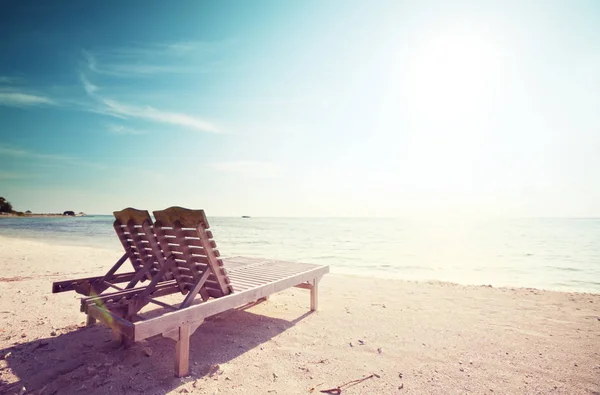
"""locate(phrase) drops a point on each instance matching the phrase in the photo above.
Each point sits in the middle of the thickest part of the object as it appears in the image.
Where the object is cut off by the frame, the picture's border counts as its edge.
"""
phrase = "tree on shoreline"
(5, 206)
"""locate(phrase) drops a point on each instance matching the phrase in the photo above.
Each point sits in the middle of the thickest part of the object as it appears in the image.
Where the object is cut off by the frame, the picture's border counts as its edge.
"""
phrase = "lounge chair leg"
(182, 352)
(127, 342)
(117, 336)
(314, 294)
(90, 321)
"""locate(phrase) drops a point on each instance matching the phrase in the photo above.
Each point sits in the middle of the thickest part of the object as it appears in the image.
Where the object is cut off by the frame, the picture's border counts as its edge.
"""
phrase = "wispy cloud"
(118, 129)
(126, 69)
(253, 169)
(58, 159)
(149, 59)
(147, 113)
(88, 86)
(12, 96)
(20, 99)
(152, 114)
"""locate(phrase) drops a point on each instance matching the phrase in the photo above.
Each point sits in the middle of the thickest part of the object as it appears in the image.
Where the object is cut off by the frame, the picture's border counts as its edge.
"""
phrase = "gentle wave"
(566, 269)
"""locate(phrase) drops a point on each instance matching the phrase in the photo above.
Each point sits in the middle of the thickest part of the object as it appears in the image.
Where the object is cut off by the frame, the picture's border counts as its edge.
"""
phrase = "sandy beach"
(409, 337)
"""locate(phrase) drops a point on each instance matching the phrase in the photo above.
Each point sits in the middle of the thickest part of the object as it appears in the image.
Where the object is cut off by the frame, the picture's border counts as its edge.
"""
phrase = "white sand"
(440, 338)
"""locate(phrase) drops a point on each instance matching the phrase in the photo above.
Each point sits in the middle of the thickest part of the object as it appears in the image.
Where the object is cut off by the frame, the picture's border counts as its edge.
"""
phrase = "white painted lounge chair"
(193, 260)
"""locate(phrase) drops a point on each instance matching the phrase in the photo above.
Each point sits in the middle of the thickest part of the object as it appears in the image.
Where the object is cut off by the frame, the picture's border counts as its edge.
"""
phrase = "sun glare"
(452, 72)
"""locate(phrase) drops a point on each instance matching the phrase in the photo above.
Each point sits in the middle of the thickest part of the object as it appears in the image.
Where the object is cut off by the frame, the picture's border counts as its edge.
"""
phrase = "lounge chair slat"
(196, 242)
(254, 273)
(253, 282)
(184, 272)
(128, 245)
(247, 281)
(196, 258)
(275, 268)
(134, 230)
(164, 245)
(156, 250)
(185, 252)
(198, 253)
(215, 263)
(254, 278)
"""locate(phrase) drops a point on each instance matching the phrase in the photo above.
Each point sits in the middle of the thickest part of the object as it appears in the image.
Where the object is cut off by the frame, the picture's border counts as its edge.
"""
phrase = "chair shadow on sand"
(88, 360)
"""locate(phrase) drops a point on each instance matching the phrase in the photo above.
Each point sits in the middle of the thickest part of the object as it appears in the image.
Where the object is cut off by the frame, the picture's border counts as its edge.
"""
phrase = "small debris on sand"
(321, 361)
(215, 370)
(338, 389)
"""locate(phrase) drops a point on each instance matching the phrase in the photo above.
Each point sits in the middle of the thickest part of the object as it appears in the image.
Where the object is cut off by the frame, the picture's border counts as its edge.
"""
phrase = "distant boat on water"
(245, 216)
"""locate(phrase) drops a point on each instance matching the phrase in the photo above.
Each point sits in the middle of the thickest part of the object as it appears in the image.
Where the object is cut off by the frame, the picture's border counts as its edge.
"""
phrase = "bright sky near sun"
(312, 108)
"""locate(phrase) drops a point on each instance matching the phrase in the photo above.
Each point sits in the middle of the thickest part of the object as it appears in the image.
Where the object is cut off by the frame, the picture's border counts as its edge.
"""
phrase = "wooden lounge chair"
(136, 233)
(193, 260)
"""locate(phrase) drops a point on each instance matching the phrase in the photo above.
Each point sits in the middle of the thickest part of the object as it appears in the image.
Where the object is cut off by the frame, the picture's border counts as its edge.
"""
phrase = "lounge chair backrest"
(136, 233)
(185, 234)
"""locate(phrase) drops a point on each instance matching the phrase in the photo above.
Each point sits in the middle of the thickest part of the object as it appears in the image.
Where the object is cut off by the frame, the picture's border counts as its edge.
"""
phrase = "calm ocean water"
(559, 254)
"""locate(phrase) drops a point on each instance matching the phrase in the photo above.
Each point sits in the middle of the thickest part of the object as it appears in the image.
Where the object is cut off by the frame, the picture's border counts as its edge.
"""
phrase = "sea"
(551, 253)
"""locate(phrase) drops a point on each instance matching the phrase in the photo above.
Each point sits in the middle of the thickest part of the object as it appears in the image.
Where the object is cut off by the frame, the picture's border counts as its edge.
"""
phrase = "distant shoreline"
(12, 215)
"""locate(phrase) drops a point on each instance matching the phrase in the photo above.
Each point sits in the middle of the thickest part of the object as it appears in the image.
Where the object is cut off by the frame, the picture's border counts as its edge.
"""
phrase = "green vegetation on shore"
(6, 209)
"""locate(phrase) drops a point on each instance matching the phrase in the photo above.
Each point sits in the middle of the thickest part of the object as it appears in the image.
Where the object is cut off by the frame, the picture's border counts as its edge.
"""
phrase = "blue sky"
(302, 108)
